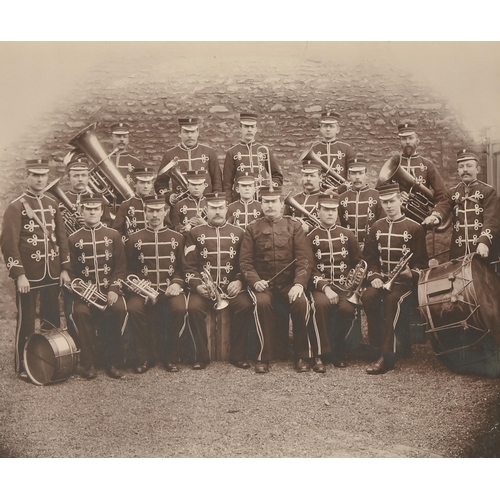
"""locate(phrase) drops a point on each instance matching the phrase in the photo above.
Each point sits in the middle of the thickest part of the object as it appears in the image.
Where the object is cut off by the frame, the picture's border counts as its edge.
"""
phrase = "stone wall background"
(150, 87)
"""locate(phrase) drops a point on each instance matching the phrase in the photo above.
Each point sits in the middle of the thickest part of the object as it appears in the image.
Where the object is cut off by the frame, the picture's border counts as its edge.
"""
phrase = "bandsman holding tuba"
(250, 156)
(158, 319)
(98, 264)
(35, 250)
(336, 255)
(213, 275)
(395, 252)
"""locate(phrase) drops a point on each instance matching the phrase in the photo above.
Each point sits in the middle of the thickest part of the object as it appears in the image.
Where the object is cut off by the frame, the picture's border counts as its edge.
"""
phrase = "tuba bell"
(104, 178)
(89, 293)
(69, 212)
(141, 287)
(421, 201)
(309, 218)
(332, 179)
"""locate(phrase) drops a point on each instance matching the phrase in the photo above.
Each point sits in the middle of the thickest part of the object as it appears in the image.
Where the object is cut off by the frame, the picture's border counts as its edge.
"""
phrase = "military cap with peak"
(271, 193)
(91, 200)
(216, 199)
(357, 165)
(154, 201)
(143, 173)
(249, 118)
(407, 128)
(328, 200)
(466, 154)
(189, 124)
(310, 166)
(329, 117)
(120, 128)
(195, 176)
(388, 191)
(247, 178)
(37, 166)
(78, 163)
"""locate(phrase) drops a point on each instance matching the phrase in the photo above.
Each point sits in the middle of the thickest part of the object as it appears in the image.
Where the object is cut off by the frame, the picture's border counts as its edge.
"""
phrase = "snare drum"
(50, 357)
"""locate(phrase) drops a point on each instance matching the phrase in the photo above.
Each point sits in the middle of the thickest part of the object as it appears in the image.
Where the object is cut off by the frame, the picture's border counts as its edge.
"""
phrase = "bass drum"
(50, 357)
(460, 303)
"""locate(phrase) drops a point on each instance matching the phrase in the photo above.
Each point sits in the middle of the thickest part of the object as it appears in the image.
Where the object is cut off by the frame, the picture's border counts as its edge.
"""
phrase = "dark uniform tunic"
(243, 157)
(268, 247)
(75, 198)
(130, 217)
(98, 257)
(241, 213)
(386, 244)
(473, 207)
(41, 257)
(126, 164)
(358, 210)
(156, 255)
(336, 154)
(201, 158)
(215, 249)
(186, 209)
(336, 252)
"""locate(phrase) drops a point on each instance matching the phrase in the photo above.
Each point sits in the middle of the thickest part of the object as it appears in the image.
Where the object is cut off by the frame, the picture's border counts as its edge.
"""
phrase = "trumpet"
(393, 276)
(89, 293)
(69, 212)
(213, 291)
(309, 218)
(332, 179)
(355, 280)
(141, 287)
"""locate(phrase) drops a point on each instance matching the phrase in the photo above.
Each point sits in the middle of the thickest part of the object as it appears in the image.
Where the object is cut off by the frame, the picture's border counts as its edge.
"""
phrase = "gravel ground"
(419, 410)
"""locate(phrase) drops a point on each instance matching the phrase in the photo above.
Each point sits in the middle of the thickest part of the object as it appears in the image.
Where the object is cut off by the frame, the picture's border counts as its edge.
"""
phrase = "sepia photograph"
(250, 249)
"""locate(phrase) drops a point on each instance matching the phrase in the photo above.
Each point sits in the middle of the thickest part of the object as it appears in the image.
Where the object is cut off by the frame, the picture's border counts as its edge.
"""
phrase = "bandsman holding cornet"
(252, 157)
(191, 155)
(395, 252)
(97, 265)
(35, 251)
(213, 275)
(334, 284)
(158, 318)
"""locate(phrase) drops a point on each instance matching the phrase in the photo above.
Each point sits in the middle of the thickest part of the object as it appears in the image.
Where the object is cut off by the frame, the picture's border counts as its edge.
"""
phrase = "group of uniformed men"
(230, 236)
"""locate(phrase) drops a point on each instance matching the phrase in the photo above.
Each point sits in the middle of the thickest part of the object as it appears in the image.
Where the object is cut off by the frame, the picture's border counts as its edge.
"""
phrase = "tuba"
(141, 287)
(355, 280)
(89, 293)
(213, 290)
(69, 212)
(421, 201)
(104, 178)
(398, 269)
(332, 179)
(309, 218)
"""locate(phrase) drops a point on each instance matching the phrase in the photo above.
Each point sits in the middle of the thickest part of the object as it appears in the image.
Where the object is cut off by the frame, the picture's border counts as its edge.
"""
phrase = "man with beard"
(191, 156)
(421, 169)
(213, 248)
(472, 204)
(249, 156)
(276, 260)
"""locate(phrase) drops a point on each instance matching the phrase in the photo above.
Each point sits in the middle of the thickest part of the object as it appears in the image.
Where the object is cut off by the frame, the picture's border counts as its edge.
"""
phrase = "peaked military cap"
(188, 123)
(91, 200)
(466, 154)
(195, 176)
(120, 128)
(37, 166)
(154, 201)
(357, 165)
(388, 191)
(328, 200)
(329, 117)
(271, 192)
(216, 199)
(144, 173)
(249, 118)
(247, 178)
(406, 128)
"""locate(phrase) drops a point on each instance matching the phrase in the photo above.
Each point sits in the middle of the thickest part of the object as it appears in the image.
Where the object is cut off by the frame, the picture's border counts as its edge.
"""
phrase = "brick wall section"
(289, 94)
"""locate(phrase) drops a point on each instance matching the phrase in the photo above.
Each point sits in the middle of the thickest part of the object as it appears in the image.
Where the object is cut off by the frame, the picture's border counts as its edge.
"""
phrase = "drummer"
(472, 203)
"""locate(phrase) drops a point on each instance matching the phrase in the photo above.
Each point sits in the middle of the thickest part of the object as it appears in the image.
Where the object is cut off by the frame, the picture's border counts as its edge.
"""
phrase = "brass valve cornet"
(400, 266)
(213, 291)
(141, 287)
(355, 280)
(89, 293)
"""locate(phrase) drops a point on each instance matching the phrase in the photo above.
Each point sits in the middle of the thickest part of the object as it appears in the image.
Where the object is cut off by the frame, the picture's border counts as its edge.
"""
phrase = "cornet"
(89, 293)
(213, 291)
(141, 287)
(400, 266)
(355, 280)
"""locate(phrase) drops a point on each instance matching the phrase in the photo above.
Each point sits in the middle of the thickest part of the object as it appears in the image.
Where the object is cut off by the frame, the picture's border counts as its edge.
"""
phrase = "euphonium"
(104, 178)
(421, 201)
(355, 280)
(89, 293)
(141, 287)
(398, 269)
(69, 212)
(308, 216)
(175, 173)
(215, 294)
(332, 179)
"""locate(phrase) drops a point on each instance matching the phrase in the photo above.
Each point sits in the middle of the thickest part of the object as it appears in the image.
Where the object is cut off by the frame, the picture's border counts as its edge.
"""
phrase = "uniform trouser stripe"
(190, 329)
(258, 326)
(396, 317)
(17, 358)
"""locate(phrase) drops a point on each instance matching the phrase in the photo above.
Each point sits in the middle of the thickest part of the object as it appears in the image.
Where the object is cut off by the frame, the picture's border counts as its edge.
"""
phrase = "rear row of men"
(265, 264)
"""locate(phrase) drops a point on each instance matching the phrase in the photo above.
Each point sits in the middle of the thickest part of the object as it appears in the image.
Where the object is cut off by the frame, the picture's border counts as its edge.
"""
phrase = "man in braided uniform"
(246, 209)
